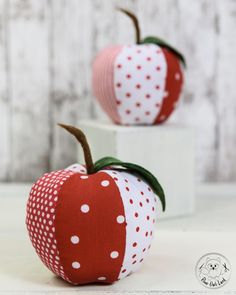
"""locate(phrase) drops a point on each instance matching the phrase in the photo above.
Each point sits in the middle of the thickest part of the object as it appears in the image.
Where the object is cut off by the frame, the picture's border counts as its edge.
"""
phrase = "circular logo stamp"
(213, 270)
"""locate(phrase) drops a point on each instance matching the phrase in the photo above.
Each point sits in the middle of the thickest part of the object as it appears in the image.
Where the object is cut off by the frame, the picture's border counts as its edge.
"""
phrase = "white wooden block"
(167, 151)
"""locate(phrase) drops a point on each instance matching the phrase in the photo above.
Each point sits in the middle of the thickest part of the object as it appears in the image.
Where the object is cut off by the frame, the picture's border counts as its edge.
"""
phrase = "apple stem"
(135, 21)
(80, 136)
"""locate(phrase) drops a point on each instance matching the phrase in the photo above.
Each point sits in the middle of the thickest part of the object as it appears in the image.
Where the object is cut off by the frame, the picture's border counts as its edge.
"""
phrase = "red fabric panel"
(97, 228)
(40, 218)
(103, 81)
(174, 81)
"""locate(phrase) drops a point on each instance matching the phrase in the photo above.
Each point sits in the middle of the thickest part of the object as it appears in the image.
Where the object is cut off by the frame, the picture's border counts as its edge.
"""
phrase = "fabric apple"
(93, 223)
(141, 83)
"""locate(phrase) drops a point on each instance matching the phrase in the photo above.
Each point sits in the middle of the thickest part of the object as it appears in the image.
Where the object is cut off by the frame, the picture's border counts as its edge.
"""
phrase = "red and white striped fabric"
(137, 84)
(91, 228)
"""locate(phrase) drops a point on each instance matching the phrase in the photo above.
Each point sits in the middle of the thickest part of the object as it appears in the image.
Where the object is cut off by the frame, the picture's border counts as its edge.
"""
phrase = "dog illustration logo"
(213, 270)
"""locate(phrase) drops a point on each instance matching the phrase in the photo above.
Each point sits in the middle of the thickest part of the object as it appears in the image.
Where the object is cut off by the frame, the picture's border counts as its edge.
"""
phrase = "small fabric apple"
(141, 83)
(93, 223)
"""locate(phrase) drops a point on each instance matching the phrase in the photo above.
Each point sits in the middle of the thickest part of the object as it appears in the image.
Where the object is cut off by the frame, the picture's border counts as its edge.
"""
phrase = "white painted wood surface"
(46, 52)
(169, 268)
(167, 151)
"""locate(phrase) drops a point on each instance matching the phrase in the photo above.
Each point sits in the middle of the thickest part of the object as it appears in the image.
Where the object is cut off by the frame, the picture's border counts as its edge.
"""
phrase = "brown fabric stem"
(135, 21)
(80, 136)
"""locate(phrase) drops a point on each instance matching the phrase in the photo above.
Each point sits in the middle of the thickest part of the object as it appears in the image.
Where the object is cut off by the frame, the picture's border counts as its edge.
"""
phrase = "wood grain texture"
(70, 51)
(46, 51)
(197, 38)
(226, 94)
(29, 93)
(5, 113)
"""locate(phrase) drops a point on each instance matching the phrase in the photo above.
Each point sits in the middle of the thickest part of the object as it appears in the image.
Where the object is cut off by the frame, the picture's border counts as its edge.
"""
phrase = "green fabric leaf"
(148, 176)
(162, 43)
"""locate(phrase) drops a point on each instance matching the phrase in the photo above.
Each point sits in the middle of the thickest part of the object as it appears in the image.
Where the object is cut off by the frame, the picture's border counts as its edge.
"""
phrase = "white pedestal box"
(167, 151)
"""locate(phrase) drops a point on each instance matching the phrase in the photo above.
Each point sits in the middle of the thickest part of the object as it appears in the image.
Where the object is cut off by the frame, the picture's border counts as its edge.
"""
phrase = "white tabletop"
(178, 245)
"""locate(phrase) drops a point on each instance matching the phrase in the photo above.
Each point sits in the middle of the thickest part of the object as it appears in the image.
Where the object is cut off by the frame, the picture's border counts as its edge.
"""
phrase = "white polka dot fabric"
(139, 83)
(140, 214)
(77, 168)
(41, 215)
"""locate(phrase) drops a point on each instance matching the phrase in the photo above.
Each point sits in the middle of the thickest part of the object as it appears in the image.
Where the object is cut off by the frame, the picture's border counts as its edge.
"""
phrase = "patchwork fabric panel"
(40, 219)
(137, 84)
(91, 228)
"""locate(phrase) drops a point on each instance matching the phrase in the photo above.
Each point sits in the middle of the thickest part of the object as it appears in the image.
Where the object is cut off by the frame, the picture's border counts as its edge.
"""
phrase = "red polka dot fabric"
(144, 81)
(40, 219)
(91, 228)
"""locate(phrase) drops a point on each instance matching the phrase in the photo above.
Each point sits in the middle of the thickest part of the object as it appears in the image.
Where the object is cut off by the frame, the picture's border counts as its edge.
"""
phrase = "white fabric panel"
(139, 81)
(140, 214)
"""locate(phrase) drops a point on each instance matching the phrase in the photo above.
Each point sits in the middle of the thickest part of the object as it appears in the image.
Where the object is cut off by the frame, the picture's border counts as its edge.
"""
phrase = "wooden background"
(46, 51)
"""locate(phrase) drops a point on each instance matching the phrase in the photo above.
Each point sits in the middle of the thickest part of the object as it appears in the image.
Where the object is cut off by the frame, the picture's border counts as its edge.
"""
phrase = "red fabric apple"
(141, 83)
(94, 223)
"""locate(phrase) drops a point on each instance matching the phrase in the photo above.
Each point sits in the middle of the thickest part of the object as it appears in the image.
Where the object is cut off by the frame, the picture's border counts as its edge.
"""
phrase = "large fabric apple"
(93, 223)
(138, 84)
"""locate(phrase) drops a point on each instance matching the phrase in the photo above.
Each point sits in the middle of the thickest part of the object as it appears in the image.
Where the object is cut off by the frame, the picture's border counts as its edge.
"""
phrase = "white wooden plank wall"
(70, 48)
(46, 51)
(5, 114)
(28, 36)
